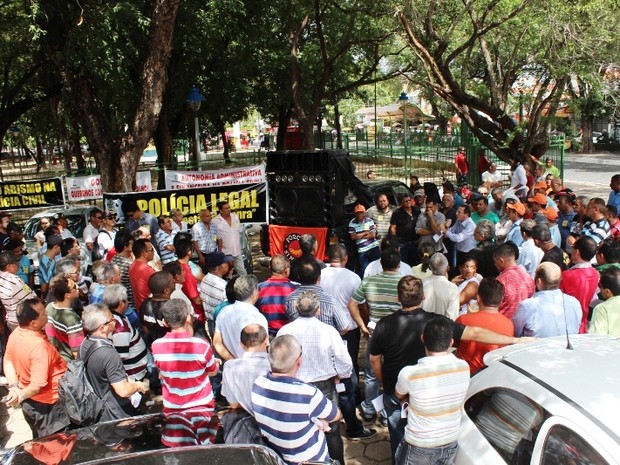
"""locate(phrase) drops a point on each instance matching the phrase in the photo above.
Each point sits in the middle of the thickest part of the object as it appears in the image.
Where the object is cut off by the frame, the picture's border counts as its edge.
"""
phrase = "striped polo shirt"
(163, 240)
(437, 387)
(365, 244)
(130, 346)
(380, 292)
(183, 362)
(284, 408)
(271, 301)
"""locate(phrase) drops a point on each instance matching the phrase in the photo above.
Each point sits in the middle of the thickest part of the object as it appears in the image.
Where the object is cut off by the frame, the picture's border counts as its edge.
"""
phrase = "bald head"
(548, 276)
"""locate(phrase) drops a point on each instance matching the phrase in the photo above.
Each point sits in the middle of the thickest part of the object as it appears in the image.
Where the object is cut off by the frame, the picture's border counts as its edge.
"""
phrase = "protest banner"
(31, 194)
(89, 187)
(176, 180)
(248, 201)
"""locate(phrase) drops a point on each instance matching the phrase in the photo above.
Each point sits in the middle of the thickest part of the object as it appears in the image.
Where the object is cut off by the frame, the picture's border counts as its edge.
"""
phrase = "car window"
(564, 446)
(399, 191)
(508, 420)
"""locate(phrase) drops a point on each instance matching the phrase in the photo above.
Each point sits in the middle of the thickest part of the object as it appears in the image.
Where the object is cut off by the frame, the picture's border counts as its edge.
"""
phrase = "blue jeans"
(372, 389)
(347, 407)
(414, 455)
(409, 253)
(396, 424)
(365, 258)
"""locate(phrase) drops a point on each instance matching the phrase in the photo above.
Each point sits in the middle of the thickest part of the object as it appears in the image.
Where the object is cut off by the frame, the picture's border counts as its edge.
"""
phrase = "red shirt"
(581, 281)
(139, 274)
(518, 286)
(473, 352)
(176, 354)
(190, 289)
(461, 163)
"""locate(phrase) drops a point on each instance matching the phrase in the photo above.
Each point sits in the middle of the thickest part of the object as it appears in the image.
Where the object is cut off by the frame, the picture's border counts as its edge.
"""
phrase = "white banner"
(89, 187)
(176, 180)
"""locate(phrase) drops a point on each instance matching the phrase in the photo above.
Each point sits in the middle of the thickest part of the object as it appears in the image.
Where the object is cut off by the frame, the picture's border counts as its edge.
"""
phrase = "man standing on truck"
(381, 214)
(402, 225)
(364, 232)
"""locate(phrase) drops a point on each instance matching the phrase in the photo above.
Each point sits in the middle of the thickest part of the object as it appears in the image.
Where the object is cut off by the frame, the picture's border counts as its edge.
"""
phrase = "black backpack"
(98, 253)
(82, 404)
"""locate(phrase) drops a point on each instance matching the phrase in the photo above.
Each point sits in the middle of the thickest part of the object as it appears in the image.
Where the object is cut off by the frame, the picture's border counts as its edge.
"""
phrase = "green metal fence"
(430, 157)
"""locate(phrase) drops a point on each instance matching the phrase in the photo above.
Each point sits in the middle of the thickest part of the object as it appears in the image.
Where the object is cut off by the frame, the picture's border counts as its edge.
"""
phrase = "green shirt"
(381, 294)
(606, 318)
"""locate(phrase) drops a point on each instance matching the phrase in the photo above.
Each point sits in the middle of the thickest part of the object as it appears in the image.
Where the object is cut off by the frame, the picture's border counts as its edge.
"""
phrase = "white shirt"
(489, 177)
(231, 243)
(324, 354)
(340, 283)
(375, 268)
(177, 229)
(441, 297)
(232, 319)
(90, 237)
(530, 256)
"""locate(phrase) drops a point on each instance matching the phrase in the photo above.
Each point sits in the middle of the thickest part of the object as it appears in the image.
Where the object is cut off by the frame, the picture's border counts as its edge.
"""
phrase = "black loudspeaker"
(305, 189)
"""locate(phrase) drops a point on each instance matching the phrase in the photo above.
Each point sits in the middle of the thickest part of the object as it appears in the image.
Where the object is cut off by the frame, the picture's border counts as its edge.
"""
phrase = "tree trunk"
(284, 117)
(118, 157)
(338, 127)
(76, 149)
(165, 147)
(587, 126)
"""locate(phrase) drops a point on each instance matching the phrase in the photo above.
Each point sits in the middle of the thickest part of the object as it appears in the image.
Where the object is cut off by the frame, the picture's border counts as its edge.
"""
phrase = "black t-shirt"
(153, 319)
(405, 224)
(557, 256)
(104, 368)
(398, 337)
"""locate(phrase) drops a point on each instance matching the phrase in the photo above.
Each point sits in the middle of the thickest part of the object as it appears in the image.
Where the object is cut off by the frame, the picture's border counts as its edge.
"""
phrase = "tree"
(32, 41)
(116, 82)
(480, 55)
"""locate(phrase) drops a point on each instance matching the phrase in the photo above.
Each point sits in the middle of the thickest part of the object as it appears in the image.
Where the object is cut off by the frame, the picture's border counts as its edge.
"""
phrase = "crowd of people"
(440, 271)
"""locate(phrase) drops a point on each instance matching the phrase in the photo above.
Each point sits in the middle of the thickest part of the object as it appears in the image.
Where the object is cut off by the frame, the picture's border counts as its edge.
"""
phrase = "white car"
(542, 403)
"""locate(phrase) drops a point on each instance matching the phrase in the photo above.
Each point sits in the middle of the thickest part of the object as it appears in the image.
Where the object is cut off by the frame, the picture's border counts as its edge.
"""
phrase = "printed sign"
(31, 194)
(89, 187)
(249, 202)
(176, 180)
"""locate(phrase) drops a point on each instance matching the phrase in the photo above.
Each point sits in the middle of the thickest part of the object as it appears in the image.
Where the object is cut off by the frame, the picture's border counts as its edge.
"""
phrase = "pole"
(197, 138)
(405, 133)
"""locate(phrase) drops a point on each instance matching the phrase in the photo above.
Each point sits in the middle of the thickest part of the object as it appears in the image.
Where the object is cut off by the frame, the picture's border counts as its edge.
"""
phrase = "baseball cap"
(419, 193)
(540, 185)
(359, 209)
(518, 207)
(551, 214)
(566, 192)
(540, 199)
(217, 258)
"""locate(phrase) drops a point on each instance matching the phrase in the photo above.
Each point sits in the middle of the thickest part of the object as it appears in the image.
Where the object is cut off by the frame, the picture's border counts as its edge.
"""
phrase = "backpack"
(98, 253)
(75, 392)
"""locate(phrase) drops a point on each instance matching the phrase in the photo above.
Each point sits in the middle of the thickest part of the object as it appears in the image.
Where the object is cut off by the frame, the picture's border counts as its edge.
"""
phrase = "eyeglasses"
(98, 217)
(111, 320)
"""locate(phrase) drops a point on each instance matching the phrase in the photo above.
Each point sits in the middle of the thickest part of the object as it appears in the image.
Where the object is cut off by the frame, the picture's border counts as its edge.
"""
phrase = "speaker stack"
(305, 188)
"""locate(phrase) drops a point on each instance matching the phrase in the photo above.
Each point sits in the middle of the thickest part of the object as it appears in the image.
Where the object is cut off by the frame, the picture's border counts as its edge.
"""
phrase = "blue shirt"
(514, 234)
(164, 240)
(547, 314)
(25, 268)
(285, 409)
(564, 222)
(46, 269)
(614, 199)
